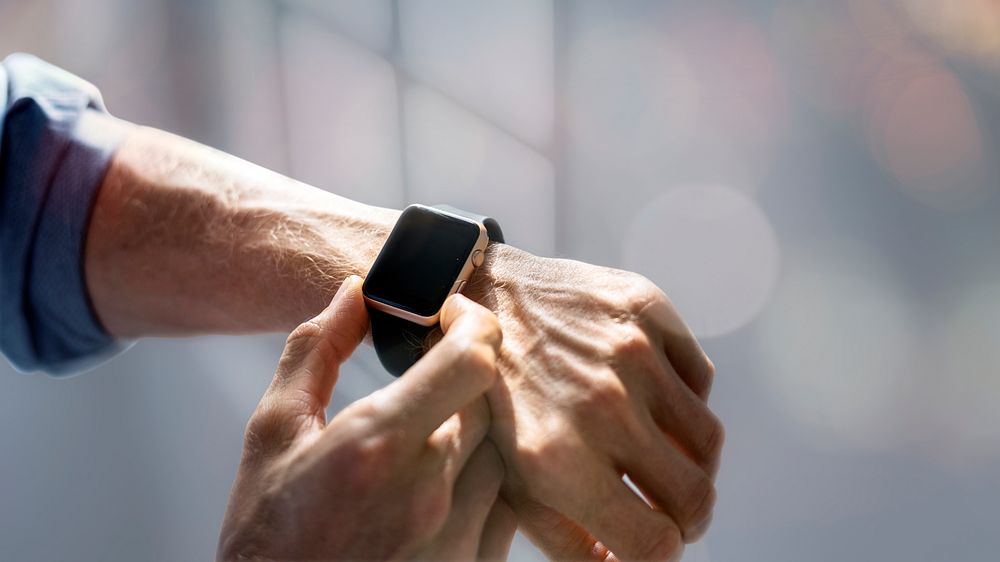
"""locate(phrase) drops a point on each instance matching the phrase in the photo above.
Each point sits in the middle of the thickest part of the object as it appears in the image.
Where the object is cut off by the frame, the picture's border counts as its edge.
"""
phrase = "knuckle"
(664, 545)
(607, 409)
(266, 431)
(303, 339)
(709, 371)
(304, 335)
(633, 343)
(715, 439)
(708, 377)
(605, 394)
(546, 459)
(699, 504)
(640, 292)
(312, 337)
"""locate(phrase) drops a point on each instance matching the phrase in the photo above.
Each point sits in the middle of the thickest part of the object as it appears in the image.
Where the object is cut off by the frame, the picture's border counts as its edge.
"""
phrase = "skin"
(598, 376)
(310, 490)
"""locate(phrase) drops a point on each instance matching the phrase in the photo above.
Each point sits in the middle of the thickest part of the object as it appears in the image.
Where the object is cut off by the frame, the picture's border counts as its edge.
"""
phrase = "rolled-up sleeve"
(56, 143)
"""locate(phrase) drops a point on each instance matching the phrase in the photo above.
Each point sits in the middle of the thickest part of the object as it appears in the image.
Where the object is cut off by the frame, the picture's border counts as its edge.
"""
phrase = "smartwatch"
(430, 254)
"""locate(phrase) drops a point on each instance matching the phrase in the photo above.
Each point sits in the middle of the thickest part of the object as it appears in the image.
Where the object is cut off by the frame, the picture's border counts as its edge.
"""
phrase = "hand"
(599, 377)
(402, 473)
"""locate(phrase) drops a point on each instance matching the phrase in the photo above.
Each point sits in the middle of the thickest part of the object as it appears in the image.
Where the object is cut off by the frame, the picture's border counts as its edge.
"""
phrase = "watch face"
(421, 260)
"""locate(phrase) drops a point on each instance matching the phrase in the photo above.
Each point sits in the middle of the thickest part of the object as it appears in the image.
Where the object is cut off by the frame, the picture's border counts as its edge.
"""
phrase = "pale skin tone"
(404, 473)
(597, 375)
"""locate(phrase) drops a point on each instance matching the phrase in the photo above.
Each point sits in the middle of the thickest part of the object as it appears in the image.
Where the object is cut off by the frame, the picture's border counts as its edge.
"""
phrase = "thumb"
(454, 373)
(314, 351)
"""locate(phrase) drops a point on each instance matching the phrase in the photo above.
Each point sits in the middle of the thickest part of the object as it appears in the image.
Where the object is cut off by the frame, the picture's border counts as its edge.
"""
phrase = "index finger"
(310, 364)
(459, 369)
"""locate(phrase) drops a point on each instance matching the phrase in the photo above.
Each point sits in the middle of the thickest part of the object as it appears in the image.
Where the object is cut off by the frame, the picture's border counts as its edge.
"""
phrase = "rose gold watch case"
(463, 276)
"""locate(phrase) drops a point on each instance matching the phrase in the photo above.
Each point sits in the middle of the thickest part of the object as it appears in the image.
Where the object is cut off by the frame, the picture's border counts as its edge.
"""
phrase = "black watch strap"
(400, 343)
(491, 224)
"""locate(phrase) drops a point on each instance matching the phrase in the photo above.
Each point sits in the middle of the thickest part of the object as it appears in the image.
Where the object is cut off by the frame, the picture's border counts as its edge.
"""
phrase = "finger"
(625, 523)
(473, 497)
(674, 484)
(459, 315)
(558, 537)
(681, 347)
(459, 436)
(310, 363)
(677, 411)
(498, 532)
(454, 373)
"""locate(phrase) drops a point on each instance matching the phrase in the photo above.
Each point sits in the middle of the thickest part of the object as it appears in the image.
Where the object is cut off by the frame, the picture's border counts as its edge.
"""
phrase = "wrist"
(352, 234)
(493, 283)
(335, 238)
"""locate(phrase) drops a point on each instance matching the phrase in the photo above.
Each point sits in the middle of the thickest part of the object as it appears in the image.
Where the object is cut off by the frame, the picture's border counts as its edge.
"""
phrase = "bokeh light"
(961, 403)
(364, 165)
(969, 28)
(503, 70)
(712, 249)
(699, 97)
(634, 97)
(745, 105)
(813, 183)
(868, 69)
(838, 346)
(924, 131)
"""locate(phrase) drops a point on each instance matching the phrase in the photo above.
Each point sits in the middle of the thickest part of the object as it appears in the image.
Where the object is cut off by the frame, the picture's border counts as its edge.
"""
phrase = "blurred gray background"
(813, 182)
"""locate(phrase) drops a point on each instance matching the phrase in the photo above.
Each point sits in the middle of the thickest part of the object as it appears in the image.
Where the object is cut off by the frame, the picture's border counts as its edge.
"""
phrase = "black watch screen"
(421, 260)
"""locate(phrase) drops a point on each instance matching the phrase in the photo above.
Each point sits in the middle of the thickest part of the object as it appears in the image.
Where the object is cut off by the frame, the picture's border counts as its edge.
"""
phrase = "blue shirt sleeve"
(56, 143)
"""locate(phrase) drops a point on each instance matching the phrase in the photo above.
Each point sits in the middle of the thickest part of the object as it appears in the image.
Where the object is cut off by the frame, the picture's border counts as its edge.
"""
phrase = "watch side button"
(477, 258)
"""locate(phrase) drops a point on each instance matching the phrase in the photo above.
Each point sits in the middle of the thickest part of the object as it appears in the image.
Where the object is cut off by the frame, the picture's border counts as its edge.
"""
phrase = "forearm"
(598, 375)
(185, 239)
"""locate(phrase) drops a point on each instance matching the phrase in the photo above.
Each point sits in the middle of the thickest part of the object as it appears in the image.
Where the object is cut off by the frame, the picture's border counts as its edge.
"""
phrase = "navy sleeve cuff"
(56, 145)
